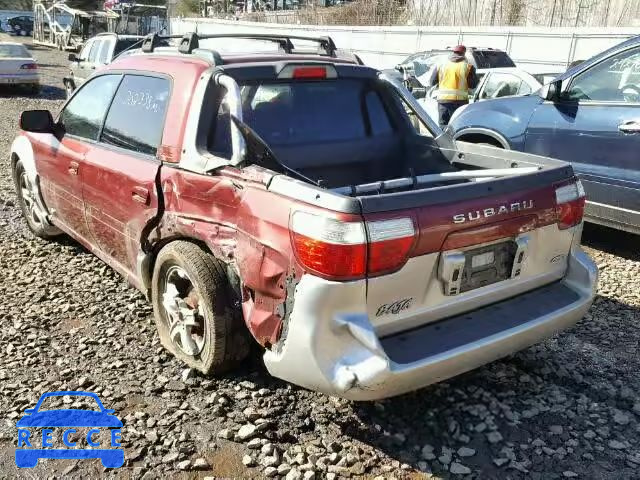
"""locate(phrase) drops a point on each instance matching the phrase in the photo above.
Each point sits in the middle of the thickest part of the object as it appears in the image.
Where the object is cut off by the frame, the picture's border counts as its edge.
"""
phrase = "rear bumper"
(19, 79)
(340, 353)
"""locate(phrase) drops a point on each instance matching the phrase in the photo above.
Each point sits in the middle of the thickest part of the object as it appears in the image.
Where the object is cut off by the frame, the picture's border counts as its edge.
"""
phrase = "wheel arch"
(147, 262)
(21, 149)
(482, 135)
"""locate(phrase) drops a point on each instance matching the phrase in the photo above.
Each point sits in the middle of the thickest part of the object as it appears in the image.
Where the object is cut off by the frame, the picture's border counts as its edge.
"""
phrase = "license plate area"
(462, 271)
(486, 265)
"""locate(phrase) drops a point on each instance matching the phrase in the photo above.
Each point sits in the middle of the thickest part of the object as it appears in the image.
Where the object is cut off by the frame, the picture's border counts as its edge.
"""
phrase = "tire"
(210, 337)
(31, 212)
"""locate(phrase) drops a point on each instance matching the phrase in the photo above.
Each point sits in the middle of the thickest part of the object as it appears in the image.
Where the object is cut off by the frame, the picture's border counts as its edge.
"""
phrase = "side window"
(136, 118)
(525, 89)
(84, 54)
(84, 114)
(616, 79)
(501, 85)
(103, 55)
(93, 53)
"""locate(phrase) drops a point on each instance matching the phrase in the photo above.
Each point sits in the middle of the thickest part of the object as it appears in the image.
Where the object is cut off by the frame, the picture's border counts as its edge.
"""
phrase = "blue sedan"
(589, 116)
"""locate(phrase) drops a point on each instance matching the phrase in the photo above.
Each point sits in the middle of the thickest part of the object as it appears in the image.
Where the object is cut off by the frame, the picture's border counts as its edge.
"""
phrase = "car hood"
(69, 418)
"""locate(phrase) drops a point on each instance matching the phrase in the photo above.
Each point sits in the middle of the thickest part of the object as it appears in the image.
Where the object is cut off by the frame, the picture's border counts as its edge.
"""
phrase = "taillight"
(389, 244)
(29, 66)
(339, 250)
(570, 201)
(330, 247)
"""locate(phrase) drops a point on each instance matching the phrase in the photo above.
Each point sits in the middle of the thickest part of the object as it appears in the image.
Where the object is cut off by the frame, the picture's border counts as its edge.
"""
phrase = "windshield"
(492, 59)
(14, 51)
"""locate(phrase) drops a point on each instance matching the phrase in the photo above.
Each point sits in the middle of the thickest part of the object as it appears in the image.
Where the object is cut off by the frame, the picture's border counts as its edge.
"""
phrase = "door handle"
(632, 126)
(73, 168)
(140, 195)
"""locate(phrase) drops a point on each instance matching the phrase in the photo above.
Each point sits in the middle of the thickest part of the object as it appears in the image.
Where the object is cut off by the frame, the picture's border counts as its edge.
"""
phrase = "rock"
(556, 429)
(248, 461)
(293, 474)
(251, 414)
(466, 452)
(459, 469)
(427, 452)
(170, 457)
(494, 437)
(569, 474)
(617, 445)
(184, 465)
(270, 472)
(248, 431)
(621, 418)
(200, 464)
(69, 469)
(309, 475)
(500, 461)
(225, 433)
(254, 444)
(284, 468)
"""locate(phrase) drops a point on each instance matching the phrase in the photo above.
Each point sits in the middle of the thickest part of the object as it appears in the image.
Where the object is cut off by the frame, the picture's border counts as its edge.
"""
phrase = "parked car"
(496, 83)
(588, 116)
(420, 64)
(17, 67)
(95, 54)
(21, 25)
(288, 199)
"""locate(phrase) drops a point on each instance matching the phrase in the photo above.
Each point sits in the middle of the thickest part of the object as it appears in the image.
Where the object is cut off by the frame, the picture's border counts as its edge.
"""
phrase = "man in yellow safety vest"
(454, 80)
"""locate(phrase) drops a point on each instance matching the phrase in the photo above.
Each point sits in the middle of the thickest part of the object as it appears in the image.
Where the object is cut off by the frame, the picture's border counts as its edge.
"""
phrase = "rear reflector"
(309, 72)
(29, 66)
(340, 250)
(570, 200)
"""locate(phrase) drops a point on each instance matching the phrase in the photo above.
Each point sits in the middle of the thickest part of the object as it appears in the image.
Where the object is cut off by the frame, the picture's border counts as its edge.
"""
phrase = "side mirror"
(551, 92)
(37, 121)
(73, 57)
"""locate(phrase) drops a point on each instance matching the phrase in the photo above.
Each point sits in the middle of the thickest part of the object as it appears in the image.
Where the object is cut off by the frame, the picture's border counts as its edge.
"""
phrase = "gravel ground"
(567, 408)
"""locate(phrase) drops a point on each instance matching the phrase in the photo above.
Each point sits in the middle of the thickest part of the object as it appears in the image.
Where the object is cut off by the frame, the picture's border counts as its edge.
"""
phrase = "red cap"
(460, 49)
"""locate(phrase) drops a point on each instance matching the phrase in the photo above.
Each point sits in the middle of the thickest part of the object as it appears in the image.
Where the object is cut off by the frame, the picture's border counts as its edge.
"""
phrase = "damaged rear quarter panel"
(245, 226)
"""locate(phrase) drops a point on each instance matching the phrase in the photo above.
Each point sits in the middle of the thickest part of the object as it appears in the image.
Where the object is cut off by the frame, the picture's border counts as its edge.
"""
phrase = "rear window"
(492, 59)
(308, 112)
(14, 51)
(124, 43)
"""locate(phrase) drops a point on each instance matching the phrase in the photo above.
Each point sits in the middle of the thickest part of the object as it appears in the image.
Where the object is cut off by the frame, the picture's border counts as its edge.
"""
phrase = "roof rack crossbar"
(154, 40)
(191, 41)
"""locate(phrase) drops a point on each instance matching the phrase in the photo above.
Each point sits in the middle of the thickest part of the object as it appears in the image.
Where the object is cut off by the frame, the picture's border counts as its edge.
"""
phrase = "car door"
(88, 58)
(595, 124)
(60, 158)
(119, 179)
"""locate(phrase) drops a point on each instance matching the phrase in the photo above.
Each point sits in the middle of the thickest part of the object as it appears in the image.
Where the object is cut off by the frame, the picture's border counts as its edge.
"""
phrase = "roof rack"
(191, 41)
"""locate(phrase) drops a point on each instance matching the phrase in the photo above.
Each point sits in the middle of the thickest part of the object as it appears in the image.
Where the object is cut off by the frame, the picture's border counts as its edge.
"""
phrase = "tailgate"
(474, 244)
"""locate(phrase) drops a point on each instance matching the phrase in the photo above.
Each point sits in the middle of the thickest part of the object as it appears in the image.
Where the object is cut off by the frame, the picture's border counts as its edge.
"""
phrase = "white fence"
(535, 49)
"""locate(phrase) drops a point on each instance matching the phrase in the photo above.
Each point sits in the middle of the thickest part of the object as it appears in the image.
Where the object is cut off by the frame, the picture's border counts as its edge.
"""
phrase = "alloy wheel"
(181, 302)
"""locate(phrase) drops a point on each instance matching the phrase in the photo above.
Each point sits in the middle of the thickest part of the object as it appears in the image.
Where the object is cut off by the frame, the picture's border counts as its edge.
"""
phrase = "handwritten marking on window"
(143, 100)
